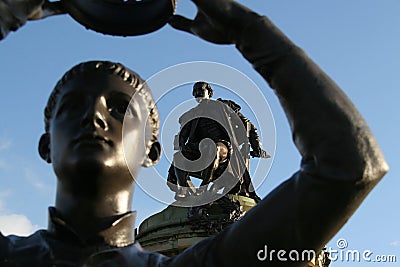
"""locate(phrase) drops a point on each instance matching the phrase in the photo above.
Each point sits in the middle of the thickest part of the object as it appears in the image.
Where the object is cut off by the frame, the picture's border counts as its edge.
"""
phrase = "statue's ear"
(153, 156)
(44, 147)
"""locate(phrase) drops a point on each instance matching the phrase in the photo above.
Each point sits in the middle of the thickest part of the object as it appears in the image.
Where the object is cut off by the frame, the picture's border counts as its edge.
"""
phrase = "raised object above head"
(121, 17)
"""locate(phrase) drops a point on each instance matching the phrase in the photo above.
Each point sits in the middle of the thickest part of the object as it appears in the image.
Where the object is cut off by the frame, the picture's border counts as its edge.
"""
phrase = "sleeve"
(254, 138)
(4, 248)
(341, 160)
(184, 133)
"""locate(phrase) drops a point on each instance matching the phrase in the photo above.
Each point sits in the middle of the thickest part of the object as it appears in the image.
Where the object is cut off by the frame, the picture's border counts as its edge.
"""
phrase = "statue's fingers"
(202, 27)
(53, 8)
(48, 9)
(3, 31)
(8, 22)
(181, 23)
(21, 9)
(30, 4)
(224, 13)
(220, 10)
(215, 7)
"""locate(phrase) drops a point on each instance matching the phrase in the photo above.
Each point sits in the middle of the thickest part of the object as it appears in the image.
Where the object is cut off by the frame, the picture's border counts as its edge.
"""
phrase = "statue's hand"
(217, 21)
(259, 153)
(14, 13)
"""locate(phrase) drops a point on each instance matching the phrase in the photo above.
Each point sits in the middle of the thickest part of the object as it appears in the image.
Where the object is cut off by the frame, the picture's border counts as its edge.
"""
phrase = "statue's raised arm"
(341, 161)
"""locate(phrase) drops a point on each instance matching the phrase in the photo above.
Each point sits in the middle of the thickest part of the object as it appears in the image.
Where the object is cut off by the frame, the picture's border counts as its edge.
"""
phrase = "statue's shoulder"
(188, 115)
(230, 103)
(26, 245)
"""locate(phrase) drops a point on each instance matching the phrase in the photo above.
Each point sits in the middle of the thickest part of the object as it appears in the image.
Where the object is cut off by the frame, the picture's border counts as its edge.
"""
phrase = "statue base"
(175, 228)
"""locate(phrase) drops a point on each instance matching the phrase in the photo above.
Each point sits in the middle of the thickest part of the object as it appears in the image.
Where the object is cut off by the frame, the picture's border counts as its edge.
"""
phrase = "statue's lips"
(91, 139)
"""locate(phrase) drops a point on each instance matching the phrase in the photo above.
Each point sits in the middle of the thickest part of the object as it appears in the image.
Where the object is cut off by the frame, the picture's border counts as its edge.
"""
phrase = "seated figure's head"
(93, 129)
(202, 90)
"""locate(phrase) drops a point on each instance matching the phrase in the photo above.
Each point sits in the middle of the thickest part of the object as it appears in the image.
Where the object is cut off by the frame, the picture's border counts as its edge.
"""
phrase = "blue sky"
(355, 42)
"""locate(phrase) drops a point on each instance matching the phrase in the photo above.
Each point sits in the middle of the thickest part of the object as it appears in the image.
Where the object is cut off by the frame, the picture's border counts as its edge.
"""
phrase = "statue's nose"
(94, 118)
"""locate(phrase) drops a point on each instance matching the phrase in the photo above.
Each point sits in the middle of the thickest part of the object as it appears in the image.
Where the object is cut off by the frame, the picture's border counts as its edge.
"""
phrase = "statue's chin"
(94, 176)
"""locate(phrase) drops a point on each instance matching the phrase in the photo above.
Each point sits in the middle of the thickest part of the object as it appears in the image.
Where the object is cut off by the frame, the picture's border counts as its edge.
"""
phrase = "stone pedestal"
(174, 229)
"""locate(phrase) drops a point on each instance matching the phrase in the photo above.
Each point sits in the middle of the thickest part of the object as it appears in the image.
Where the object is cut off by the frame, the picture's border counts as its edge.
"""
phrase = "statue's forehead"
(95, 80)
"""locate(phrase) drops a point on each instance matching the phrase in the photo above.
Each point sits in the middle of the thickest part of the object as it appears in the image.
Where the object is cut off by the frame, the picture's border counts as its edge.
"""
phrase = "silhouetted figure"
(204, 121)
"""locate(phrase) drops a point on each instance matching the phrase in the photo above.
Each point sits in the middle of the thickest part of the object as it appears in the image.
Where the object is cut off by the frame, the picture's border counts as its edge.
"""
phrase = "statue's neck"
(92, 211)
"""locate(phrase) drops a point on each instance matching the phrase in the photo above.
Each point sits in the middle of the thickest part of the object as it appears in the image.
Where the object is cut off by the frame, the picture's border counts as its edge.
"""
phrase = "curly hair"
(201, 86)
(111, 68)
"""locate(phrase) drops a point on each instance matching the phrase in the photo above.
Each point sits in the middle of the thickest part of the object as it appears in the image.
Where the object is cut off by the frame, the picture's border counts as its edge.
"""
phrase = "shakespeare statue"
(219, 121)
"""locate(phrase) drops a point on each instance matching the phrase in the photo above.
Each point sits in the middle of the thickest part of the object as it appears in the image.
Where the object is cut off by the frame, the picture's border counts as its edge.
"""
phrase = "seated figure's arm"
(184, 132)
(341, 161)
(254, 138)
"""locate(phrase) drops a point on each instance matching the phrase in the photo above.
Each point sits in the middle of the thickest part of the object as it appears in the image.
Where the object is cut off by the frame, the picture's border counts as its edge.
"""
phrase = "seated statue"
(219, 121)
(91, 223)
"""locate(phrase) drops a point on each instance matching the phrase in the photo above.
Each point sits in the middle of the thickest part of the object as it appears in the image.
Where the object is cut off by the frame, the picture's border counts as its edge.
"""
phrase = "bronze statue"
(92, 224)
(218, 120)
(83, 141)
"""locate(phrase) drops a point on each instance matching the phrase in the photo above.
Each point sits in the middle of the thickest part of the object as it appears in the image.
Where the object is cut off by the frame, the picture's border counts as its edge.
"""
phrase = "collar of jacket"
(120, 233)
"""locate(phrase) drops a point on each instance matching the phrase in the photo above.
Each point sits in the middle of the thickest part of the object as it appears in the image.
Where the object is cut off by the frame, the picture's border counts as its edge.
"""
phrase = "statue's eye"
(70, 105)
(119, 107)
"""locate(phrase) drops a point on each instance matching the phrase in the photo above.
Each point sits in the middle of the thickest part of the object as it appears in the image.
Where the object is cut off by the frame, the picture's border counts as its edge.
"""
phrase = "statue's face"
(86, 129)
(200, 94)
